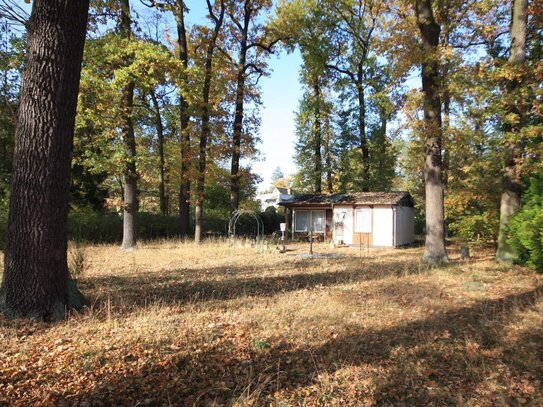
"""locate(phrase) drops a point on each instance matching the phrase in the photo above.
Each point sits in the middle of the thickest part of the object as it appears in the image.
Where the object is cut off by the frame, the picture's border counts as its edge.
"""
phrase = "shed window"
(301, 221)
(362, 220)
(317, 221)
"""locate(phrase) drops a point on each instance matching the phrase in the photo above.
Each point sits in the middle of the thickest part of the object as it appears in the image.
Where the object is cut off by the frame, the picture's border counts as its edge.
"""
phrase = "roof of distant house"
(283, 191)
(354, 198)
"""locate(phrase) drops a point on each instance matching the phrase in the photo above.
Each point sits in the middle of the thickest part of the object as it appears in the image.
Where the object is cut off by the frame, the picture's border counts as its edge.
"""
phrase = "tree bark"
(238, 116)
(328, 157)
(162, 170)
(317, 137)
(362, 127)
(512, 186)
(36, 280)
(130, 201)
(205, 119)
(435, 251)
(184, 190)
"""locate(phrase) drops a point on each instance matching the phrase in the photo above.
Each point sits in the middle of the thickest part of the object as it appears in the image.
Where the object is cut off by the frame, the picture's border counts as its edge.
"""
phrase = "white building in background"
(273, 198)
(375, 219)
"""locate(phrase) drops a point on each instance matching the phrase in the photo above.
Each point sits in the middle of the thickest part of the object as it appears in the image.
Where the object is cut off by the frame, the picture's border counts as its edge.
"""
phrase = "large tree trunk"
(435, 251)
(362, 128)
(36, 279)
(130, 201)
(162, 168)
(238, 116)
(512, 186)
(317, 169)
(205, 118)
(184, 191)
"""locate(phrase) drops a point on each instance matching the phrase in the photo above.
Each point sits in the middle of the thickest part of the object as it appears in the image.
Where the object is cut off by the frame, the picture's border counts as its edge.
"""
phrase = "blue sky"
(280, 94)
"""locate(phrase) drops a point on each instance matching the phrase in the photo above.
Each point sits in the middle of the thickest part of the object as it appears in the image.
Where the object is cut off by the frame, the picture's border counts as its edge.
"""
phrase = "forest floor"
(176, 324)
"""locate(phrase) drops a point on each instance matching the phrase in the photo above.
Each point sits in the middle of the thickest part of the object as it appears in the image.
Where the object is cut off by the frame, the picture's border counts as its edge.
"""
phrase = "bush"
(107, 227)
(476, 228)
(526, 226)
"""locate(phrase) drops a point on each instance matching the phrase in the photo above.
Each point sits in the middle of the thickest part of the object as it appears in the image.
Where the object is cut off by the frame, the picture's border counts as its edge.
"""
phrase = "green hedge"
(526, 226)
(106, 227)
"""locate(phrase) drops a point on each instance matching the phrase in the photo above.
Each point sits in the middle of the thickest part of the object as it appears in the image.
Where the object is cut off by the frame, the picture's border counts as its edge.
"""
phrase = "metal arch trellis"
(238, 214)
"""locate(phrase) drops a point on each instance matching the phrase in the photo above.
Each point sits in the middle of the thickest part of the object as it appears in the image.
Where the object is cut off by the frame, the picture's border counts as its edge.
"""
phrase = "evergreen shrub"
(526, 226)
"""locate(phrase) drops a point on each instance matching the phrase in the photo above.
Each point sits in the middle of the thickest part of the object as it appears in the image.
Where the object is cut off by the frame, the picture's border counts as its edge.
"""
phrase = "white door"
(348, 226)
(382, 227)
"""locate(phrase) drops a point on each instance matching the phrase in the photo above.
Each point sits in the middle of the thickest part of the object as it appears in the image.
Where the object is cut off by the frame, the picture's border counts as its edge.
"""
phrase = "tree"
(277, 174)
(512, 185)
(355, 25)
(130, 198)
(36, 279)
(184, 190)
(525, 228)
(248, 37)
(205, 131)
(435, 251)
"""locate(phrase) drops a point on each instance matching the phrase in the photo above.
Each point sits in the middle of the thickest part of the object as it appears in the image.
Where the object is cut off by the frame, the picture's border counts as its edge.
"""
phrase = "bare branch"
(341, 70)
(267, 48)
(235, 21)
(11, 11)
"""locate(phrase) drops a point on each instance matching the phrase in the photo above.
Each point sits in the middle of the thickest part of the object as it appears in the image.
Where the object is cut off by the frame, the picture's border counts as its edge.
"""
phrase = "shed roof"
(354, 198)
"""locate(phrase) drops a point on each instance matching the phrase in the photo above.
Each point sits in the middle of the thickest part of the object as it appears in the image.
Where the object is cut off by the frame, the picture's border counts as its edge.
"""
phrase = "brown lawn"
(176, 324)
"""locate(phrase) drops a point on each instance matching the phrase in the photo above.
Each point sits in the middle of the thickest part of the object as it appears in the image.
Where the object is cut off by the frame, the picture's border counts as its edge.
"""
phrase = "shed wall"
(405, 225)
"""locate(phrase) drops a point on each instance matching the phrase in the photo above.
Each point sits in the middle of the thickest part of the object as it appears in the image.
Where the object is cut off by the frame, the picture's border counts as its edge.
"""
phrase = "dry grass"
(178, 324)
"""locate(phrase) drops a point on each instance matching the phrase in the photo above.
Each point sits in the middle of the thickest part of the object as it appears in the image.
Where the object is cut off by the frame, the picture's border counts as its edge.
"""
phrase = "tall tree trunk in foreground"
(435, 251)
(130, 202)
(512, 187)
(36, 279)
(184, 190)
(206, 130)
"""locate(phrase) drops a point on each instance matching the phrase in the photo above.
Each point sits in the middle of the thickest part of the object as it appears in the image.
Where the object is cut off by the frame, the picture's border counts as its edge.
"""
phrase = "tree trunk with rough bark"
(512, 186)
(328, 156)
(317, 174)
(184, 190)
(238, 115)
(36, 281)
(435, 251)
(130, 194)
(205, 119)
(163, 201)
(362, 128)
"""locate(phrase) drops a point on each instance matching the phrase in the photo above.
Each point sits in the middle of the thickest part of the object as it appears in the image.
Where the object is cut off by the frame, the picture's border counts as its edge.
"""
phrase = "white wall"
(405, 225)
(382, 227)
(347, 224)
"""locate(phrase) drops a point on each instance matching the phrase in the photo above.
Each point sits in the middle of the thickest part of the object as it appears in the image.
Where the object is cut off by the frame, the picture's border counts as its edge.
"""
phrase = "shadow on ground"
(226, 283)
(454, 357)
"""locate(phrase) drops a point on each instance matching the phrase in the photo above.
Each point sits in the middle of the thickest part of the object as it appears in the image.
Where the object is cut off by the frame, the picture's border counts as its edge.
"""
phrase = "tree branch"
(341, 70)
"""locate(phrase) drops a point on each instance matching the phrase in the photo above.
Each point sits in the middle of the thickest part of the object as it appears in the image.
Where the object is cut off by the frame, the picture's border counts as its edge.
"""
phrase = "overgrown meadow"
(177, 324)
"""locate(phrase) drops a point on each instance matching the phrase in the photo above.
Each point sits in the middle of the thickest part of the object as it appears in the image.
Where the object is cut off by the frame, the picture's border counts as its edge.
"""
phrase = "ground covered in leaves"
(176, 324)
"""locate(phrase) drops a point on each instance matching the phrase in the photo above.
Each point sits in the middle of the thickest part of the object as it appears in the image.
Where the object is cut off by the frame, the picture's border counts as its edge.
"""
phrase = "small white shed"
(376, 219)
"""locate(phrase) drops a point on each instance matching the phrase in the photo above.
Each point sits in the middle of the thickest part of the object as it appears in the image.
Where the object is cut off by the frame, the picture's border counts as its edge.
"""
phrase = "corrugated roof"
(354, 198)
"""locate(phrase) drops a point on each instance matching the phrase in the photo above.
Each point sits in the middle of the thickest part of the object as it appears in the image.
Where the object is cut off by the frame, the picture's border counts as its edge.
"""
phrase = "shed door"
(382, 227)
(348, 226)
